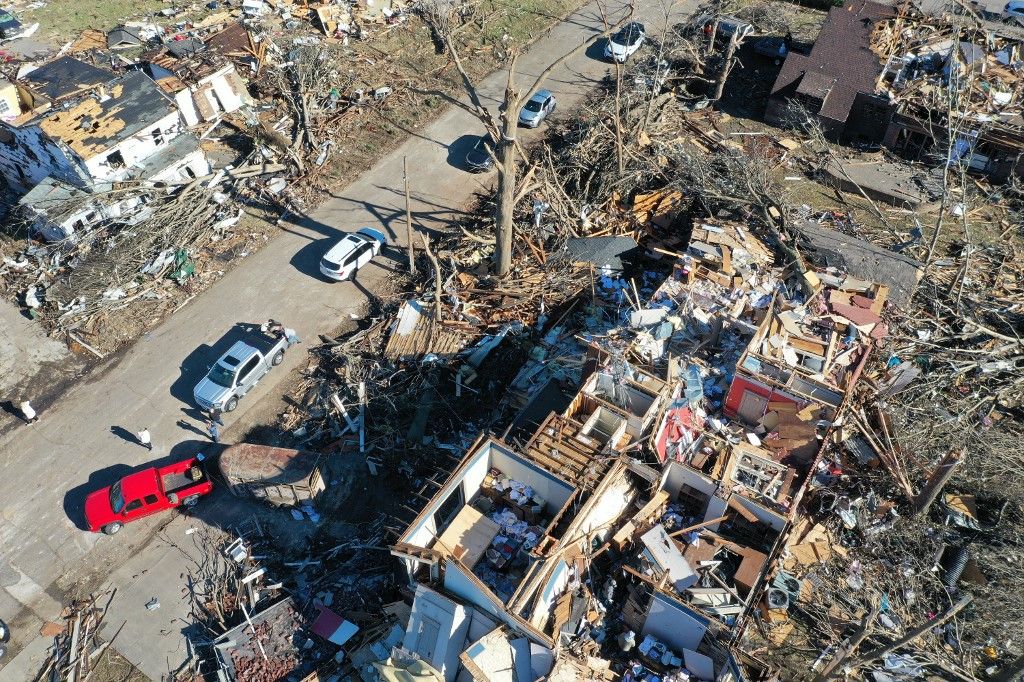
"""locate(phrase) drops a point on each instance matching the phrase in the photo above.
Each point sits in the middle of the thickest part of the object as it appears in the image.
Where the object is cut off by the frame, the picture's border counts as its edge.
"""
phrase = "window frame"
(247, 368)
(109, 159)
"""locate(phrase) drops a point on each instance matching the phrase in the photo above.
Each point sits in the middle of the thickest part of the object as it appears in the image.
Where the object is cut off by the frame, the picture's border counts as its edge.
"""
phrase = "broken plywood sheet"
(414, 333)
(655, 206)
(468, 536)
(663, 552)
(89, 39)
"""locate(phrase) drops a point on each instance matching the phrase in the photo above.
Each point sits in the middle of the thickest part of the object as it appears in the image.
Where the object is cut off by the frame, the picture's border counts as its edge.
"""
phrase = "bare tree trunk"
(727, 58)
(408, 217)
(507, 171)
(503, 130)
(849, 646)
(618, 118)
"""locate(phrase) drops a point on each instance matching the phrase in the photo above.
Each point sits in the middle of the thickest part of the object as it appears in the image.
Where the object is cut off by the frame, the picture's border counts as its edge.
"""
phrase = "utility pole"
(408, 217)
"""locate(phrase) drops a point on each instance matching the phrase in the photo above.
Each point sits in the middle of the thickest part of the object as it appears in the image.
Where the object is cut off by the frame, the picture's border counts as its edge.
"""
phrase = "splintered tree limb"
(437, 278)
(937, 481)
(850, 646)
(880, 651)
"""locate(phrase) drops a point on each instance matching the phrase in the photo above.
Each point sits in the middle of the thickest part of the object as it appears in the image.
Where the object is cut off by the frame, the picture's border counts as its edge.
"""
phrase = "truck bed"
(178, 478)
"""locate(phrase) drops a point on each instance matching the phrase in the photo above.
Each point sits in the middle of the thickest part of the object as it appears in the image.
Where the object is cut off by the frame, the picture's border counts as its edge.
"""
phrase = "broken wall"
(437, 631)
(673, 623)
(461, 583)
(766, 516)
(134, 150)
(28, 156)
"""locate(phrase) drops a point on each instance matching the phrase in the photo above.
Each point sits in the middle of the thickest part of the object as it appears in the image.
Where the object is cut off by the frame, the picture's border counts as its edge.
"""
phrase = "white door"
(365, 254)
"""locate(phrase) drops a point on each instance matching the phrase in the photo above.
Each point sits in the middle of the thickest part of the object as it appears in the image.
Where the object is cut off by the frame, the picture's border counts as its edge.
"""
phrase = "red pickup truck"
(146, 492)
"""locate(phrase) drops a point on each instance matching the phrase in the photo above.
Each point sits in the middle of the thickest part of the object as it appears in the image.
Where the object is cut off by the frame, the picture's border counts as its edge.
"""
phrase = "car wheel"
(5, 633)
(230, 405)
(112, 528)
(278, 358)
(190, 501)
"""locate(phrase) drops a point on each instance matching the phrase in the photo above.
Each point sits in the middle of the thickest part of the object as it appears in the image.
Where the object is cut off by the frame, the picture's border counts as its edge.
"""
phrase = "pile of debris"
(257, 627)
(153, 255)
(77, 650)
(929, 60)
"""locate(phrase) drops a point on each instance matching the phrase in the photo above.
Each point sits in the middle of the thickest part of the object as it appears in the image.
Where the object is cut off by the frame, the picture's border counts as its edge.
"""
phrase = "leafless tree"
(502, 126)
(304, 81)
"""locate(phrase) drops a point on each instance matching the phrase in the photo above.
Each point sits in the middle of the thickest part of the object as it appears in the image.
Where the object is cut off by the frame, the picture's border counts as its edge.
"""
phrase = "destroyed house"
(924, 61)
(875, 77)
(203, 84)
(802, 357)
(836, 82)
(121, 129)
(56, 210)
(489, 527)
(542, 581)
(711, 300)
(730, 503)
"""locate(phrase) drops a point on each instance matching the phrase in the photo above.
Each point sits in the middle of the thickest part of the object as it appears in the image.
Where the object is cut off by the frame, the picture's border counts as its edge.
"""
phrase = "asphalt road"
(46, 468)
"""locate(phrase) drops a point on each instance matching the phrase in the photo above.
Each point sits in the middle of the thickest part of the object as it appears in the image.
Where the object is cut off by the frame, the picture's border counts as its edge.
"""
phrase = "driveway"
(46, 468)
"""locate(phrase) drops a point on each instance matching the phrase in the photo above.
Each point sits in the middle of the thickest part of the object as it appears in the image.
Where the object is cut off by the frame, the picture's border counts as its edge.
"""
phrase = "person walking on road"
(145, 440)
(28, 413)
(215, 416)
(213, 430)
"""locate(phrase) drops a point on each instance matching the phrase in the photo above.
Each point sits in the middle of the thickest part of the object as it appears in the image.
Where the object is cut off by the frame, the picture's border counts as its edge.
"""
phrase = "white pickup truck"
(241, 368)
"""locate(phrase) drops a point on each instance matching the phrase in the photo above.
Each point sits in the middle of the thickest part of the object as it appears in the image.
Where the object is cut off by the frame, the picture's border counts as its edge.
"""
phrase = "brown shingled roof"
(841, 63)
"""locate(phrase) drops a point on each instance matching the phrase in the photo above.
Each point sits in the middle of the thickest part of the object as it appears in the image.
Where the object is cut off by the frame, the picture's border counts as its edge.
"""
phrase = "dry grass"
(62, 20)
(116, 668)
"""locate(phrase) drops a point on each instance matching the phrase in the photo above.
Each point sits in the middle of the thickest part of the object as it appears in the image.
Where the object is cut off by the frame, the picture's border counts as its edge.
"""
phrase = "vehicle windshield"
(222, 376)
(116, 498)
(532, 105)
(627, 36)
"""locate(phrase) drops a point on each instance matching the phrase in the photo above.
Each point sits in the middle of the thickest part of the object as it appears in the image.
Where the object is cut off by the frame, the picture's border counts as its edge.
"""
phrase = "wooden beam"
(698, 525)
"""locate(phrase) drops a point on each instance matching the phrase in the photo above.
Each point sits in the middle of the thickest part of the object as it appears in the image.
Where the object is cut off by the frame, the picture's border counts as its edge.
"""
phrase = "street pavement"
(81, 443)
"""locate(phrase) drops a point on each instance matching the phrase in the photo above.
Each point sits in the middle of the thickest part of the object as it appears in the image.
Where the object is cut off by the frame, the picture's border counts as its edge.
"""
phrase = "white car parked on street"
(352, 253)
(625, 42)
